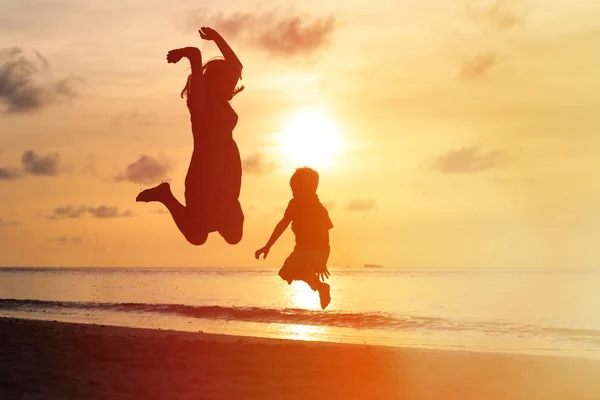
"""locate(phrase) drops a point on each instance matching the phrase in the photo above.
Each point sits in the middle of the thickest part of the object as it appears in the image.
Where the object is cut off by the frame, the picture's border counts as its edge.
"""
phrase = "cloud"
(35, 164)
(108, 212)
(26, 82)
(286, 36)
(256, 164)
(501, 15)
(293, 35)
(478, 65)
(90, 166)
(4, 223)
(135, 117)
(75, 240)
(146, 170)
(329, 205)
(465, 160)
(68, 212)
(101, 212)
(8, 174)
(361, 205)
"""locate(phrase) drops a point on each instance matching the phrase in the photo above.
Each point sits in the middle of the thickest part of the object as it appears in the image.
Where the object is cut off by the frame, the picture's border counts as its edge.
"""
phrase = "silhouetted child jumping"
(311, 225)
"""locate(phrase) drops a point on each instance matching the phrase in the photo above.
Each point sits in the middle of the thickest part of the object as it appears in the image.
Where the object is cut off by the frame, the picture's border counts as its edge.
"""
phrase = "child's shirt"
(310, 223)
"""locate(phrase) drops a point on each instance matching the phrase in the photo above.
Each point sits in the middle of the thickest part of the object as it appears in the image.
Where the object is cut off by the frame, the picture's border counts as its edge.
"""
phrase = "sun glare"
(301, 296)
(309, 138)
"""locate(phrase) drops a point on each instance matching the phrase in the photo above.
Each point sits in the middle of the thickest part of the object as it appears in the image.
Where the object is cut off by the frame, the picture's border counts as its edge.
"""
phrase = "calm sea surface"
(519, 311)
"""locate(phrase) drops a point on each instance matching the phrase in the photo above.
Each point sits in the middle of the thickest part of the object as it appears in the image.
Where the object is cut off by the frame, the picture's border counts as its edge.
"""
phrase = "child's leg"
(183, 218)
(289, 271)
(312, 281)
(322, 287)
(324, 295)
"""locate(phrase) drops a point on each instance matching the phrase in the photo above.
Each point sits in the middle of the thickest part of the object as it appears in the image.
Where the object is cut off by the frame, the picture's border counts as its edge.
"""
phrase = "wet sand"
(53, 360)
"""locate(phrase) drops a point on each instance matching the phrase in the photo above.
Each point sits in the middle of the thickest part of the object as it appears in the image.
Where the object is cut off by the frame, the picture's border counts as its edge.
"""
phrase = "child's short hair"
(305, 179)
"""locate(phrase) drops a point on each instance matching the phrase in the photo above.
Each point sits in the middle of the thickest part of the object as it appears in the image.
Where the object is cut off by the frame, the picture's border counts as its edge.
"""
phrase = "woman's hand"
(175, 55)
(207, 33)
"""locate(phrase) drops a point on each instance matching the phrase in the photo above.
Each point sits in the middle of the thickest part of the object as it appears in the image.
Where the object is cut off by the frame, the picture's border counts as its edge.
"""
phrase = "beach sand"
(53, 360)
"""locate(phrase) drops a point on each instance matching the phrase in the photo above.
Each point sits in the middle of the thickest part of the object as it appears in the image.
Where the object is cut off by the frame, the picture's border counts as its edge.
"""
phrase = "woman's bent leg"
(232, 225)
(183, 217)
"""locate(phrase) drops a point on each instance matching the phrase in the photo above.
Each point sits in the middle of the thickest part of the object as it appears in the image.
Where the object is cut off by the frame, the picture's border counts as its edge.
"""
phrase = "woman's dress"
(214, 178)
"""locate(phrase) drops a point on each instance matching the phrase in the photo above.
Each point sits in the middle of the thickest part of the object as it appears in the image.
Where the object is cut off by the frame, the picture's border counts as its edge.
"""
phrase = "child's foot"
(324, 295)
(157, 193)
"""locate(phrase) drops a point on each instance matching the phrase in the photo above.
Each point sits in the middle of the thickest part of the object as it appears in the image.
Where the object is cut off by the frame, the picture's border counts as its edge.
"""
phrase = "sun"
(310, 137)
(302, 296)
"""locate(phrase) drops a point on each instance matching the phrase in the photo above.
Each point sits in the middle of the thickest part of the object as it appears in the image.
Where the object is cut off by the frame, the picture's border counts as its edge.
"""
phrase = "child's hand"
(264, 250)
(323, 274)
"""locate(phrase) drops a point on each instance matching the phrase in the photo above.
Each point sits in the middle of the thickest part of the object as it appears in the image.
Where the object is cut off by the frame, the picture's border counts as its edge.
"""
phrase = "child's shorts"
(303, 265)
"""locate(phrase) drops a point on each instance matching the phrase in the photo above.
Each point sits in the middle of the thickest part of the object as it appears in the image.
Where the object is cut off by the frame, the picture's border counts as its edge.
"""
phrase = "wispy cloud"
(466, 160)
(64, 240)
(501, 14)
(275, 32)
(146, 170)
(33, 163)
(9, 174)
(108, 212)
(330, 205)
(68, 212)
(89, 167)
(36, 164)
(102, 212)
(4, 223)
(135, 117)
(361, 205)
(478, 66)
(26, 82)
(256, 164)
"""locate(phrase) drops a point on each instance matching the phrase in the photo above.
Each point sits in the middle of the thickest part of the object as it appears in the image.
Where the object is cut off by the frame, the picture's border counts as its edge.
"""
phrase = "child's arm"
(279, 229)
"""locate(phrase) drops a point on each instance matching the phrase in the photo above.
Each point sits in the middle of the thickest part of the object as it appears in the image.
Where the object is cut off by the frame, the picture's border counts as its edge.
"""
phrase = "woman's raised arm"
(210, 34)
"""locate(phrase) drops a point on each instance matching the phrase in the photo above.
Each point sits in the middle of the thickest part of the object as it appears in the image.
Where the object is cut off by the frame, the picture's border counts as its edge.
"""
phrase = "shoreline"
(143, 332)
(45, 359)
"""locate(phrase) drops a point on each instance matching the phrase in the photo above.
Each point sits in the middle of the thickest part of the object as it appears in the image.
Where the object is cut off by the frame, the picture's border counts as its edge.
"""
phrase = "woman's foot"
(158, 193)
(324, 295)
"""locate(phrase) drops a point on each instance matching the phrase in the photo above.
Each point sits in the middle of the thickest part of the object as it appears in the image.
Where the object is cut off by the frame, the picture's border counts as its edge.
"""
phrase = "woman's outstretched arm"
(210, 34)
(191, 53)
(195, 86)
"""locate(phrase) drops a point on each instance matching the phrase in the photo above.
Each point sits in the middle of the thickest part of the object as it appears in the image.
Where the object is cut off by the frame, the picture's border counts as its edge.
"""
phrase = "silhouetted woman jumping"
(213, 181)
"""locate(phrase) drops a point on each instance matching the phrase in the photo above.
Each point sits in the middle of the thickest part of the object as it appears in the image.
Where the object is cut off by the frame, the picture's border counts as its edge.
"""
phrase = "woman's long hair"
(221, 79)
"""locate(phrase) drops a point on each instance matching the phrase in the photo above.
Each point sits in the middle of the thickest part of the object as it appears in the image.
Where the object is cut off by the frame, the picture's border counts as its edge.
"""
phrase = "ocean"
(550, 312)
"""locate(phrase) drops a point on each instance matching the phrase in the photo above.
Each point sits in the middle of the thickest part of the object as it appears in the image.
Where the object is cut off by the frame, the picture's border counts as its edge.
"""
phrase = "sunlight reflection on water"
(304, 332)
(301, 296)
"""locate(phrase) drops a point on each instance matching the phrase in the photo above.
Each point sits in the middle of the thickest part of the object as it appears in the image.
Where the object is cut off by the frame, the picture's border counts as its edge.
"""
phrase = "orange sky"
(466, 134)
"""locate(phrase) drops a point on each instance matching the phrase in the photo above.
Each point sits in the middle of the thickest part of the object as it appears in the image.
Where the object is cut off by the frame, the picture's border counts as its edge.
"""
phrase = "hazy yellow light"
(303, 332)
(310, 138)
(303, 297)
